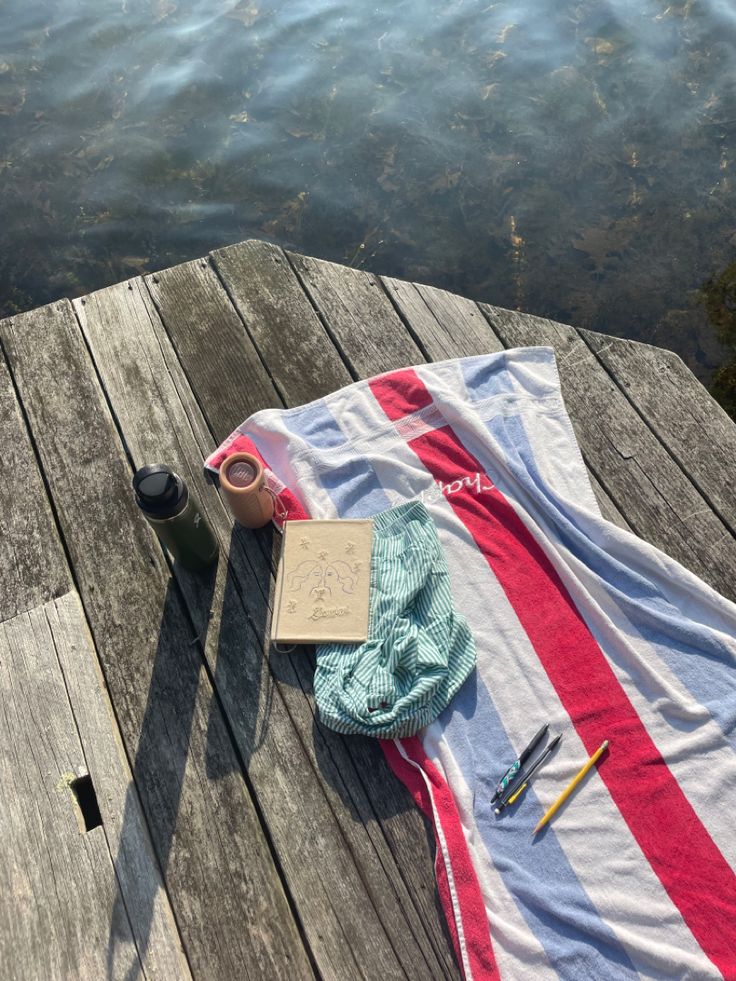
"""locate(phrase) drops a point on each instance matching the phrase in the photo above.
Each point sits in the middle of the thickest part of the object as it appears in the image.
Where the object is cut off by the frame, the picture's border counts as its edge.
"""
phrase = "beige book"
(322, 583)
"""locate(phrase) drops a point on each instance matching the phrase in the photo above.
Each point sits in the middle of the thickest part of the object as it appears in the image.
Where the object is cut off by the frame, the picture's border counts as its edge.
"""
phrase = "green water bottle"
(175, 516)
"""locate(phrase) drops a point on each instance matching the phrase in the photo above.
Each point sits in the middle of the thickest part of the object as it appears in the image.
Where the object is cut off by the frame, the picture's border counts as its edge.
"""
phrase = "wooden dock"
(237, 837)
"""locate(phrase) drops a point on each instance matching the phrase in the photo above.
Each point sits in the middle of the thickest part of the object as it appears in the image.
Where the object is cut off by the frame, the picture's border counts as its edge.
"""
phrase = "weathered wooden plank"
(216, 862)
(443, 325)
(192, 292)
(280, 320)
(138, 875)
(658, 500)
(608, 509)
(161, 419)
(41, 569)
(364, 319)
(352, 303)
(61, 915)
(213, 343)
(32, 564)
(689, 421)
(353, 771)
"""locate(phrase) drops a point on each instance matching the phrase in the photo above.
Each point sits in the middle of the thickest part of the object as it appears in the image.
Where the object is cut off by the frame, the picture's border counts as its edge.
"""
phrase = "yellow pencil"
(570, 787)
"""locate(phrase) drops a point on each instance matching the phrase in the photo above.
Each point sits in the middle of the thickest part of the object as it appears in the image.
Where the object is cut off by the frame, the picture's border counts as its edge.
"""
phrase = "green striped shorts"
(419, 650)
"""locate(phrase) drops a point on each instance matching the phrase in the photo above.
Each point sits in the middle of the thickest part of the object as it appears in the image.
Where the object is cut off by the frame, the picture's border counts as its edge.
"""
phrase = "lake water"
(572, 159)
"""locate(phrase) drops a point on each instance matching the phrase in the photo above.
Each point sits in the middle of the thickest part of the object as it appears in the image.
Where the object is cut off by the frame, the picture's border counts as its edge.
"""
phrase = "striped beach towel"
(577, 623)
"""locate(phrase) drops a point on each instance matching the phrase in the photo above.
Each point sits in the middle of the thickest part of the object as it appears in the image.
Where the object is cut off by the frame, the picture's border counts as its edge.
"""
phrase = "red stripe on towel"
(680, 850)
(468, 905)
(400, 400)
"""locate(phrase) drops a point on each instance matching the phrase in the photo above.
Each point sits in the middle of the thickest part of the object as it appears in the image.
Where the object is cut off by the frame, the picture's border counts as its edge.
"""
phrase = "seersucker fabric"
(419, 649)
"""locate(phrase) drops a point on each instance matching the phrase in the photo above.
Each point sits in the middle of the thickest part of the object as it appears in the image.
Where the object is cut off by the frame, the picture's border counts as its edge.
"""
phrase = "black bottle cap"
(159, 491)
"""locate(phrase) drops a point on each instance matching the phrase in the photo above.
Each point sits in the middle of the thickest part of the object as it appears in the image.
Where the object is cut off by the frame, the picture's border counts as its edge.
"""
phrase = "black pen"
(512, 794)
(513, 770)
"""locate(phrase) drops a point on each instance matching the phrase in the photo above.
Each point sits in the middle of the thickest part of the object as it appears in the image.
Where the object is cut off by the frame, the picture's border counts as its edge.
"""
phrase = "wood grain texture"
(634, 468)
(688, 421)
(142, 891)
(608, 509)
(33, 567)
(60, 910)
(386, 834)
(351, 917)
(443, 325)
(358, 315)
(281, 321)
(209, 842)
(208, 323)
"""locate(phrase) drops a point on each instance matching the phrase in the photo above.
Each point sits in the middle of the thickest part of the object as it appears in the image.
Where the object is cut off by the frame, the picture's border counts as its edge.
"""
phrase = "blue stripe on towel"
(537, 874)
(316, 425)
(483, 379)
(348, 478)
(679, 642)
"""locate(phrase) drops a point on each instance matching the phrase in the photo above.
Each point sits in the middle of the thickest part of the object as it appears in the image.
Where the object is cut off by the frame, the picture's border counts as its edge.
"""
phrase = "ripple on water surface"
(570, 158)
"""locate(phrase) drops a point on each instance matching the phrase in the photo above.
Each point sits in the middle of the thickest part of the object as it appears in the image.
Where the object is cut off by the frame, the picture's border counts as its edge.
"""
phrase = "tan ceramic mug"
(244, 483)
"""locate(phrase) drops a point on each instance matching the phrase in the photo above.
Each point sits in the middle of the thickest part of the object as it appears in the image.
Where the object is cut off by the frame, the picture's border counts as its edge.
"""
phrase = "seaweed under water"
(572, 159)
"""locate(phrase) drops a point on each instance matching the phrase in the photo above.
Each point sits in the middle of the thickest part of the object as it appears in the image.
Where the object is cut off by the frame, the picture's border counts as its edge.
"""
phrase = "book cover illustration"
(323, 582)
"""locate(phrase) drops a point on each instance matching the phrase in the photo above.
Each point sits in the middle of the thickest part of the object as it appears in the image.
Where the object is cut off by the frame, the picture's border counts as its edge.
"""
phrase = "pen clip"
(515, 796)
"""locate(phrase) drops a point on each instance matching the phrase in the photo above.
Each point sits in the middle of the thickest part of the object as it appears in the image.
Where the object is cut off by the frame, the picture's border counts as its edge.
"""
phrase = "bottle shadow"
(158, 769)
